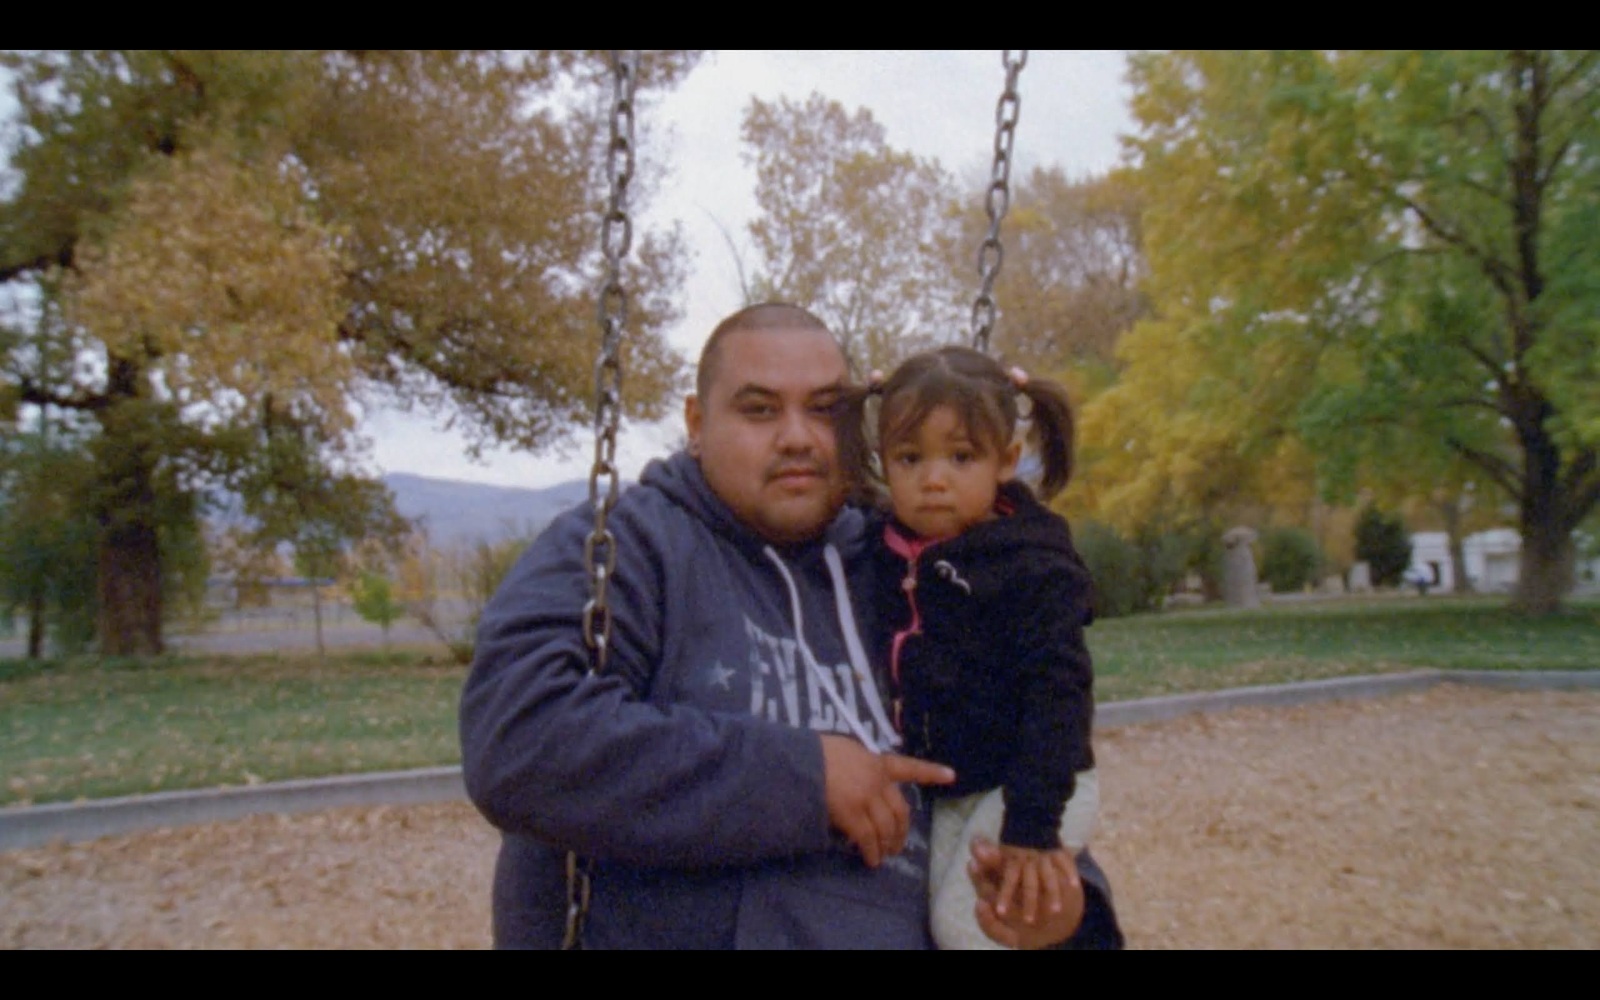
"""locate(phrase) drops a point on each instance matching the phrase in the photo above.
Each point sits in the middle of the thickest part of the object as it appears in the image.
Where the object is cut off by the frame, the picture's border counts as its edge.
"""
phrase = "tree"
(1074, 260)
(235, 237)
(374, 599)
(1382, 541)
(46, 551)
(465, 578)
(1395, 246)
(852, 229)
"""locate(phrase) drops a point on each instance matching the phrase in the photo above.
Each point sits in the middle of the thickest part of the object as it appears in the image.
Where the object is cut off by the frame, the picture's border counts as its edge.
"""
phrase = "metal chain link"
(998, 199)
(600, 548)
(616, 237)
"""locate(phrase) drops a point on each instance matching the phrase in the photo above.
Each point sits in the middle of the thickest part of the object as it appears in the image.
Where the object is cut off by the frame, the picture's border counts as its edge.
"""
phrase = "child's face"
(941, 480)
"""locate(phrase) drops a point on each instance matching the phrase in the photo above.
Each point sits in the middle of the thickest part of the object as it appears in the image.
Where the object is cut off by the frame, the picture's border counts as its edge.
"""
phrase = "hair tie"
(875, 382)
(1019, 378)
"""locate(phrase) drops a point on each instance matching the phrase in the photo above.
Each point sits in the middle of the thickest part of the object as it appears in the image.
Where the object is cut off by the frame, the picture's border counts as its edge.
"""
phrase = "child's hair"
(984, 397)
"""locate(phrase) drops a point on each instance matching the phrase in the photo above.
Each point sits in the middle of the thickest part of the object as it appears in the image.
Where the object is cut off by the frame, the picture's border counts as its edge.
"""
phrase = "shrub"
(1130, 576)
(1382, 541)
(1290, 559)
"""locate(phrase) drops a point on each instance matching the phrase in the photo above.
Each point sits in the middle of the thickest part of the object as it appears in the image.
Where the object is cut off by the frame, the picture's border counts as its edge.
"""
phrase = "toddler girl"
(981, 601)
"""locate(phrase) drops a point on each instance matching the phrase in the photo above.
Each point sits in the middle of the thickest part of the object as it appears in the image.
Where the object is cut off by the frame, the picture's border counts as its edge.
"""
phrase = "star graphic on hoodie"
(721, 675)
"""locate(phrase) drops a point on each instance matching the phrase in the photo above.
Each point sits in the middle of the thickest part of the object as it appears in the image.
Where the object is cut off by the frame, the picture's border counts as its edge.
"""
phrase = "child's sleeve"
(1057, 692)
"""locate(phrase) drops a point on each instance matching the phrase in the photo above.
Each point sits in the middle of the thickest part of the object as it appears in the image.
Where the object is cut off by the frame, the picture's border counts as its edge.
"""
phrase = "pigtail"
(857, 458)
(1051, 432)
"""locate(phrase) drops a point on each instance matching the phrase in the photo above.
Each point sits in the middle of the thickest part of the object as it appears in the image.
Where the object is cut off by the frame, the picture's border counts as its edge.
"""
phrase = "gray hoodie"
(688, 772)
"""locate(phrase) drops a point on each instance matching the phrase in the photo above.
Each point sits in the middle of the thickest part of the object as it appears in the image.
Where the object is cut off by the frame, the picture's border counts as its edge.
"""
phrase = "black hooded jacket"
(993, 675)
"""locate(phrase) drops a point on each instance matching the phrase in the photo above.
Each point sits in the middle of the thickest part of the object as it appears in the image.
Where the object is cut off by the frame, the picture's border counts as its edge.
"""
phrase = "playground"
(1452, 817)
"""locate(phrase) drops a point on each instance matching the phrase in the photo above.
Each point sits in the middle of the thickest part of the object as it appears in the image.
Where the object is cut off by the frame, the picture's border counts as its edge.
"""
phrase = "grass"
(91, 728)
(1211, 649)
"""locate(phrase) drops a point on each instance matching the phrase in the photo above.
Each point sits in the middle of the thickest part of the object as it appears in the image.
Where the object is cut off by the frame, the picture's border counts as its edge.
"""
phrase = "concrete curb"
(32, 826)
(1131, 713)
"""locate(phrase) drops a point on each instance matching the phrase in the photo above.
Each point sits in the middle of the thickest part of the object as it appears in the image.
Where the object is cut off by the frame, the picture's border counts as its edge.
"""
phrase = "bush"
(1291, 559)
(1383, 542)
(1130, 576)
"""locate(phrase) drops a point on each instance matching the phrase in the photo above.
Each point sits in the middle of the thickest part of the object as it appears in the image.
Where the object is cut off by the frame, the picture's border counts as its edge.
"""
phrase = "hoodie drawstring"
(858, 658)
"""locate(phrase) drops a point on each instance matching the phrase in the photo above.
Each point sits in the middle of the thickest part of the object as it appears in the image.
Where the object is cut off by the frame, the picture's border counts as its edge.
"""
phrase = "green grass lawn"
(92, 729)
(1210, 649)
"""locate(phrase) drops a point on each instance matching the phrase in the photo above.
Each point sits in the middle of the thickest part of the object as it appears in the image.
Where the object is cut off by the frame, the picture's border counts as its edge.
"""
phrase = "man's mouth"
(795, 473)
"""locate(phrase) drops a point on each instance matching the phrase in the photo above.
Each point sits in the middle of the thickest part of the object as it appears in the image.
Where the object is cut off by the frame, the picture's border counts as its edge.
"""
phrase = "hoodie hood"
(680, 480)
(994, 555)
(814, 568)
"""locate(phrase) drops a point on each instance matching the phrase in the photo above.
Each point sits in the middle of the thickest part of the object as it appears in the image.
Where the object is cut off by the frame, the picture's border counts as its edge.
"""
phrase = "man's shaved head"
(773, 316)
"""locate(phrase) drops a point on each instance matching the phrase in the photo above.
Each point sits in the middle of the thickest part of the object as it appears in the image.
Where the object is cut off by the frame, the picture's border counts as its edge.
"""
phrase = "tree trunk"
(1450, 509)
(129, 565)
(1548, 562)
(130, 591)
(36, 626)
(316, 614)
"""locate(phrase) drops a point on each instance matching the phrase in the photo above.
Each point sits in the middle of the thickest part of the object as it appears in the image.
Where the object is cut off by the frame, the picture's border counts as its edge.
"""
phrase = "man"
(728, 775)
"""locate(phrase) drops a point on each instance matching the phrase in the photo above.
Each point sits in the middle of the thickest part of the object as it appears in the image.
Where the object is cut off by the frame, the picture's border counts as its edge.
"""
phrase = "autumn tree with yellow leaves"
(245, 248)
(856, 231)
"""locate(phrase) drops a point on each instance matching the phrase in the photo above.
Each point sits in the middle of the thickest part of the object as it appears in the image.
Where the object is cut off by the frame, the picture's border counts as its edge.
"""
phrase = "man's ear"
(691, 423)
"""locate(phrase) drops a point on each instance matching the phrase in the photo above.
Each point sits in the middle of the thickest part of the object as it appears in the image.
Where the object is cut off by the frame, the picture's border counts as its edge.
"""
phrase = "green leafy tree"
(1385, 253)
(238, 236)
(374, 599)
(46, 544)
(852, 229)
(1383, 542)
(324, 515)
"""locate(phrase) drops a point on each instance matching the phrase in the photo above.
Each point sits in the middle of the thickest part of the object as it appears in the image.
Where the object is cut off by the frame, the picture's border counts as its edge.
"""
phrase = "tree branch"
(1581, 483)
(63, 257)
(86, 402)
(1496, 270)
(1498, 469)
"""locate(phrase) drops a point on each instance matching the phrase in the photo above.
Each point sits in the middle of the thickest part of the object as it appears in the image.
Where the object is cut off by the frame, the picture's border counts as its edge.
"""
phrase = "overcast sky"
(932, 103)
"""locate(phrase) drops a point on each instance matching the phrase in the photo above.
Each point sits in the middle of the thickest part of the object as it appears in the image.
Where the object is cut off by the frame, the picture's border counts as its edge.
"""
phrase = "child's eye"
(904, 458)
(964, 457)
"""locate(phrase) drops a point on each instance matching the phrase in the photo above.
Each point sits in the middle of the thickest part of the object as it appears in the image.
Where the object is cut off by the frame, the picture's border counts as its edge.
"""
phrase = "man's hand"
(987, 869)
(864, 798)
(1030, 877)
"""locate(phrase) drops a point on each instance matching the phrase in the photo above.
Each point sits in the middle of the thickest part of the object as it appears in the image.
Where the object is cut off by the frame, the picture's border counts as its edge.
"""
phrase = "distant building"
(1492, 559)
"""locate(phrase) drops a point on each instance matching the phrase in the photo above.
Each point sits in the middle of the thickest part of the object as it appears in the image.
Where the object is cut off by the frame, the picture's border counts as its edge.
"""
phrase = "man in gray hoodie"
(729, 778)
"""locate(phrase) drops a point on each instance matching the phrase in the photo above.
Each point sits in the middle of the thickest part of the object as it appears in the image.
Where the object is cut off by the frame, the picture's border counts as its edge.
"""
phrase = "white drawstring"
(822, 676)
(852, 643)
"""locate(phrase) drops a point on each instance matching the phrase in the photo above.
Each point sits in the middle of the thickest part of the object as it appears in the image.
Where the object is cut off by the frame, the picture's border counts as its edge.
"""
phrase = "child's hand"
(1034, 872)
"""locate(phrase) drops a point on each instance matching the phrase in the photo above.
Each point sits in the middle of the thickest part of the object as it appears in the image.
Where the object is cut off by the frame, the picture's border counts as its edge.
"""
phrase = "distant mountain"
(458, 512)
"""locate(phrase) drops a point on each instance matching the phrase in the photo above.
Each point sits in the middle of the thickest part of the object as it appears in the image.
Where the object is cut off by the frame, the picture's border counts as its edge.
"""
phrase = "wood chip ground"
(1451, 818)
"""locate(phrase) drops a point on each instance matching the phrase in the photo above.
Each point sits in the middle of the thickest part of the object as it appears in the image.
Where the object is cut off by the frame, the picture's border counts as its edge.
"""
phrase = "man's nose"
(795, 432)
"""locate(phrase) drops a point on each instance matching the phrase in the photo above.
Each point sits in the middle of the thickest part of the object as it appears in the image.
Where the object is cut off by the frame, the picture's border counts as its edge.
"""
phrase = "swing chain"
(616, 236)
(600, 549)
(998, 199)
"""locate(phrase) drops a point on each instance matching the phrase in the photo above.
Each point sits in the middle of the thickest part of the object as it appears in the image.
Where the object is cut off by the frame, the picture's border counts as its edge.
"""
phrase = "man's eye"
(758, 410)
